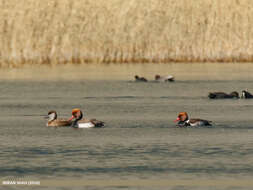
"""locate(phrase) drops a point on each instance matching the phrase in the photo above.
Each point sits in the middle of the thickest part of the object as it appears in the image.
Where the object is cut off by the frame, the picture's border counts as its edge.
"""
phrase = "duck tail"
(211, 95)
(98, 123)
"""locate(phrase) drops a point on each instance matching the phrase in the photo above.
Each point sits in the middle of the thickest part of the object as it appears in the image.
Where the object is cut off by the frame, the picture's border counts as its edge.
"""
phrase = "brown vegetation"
(133, 31)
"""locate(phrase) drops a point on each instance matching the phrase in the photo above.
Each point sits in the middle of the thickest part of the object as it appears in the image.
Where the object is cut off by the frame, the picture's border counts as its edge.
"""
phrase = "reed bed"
(125, 31)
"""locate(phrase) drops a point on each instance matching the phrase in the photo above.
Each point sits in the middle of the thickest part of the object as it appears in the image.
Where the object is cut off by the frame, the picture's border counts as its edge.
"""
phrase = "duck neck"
(184, 123)
(52, 117)
(75, 122)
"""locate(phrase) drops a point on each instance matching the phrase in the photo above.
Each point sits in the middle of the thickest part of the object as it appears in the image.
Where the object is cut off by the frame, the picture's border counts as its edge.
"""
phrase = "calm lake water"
(140, 140)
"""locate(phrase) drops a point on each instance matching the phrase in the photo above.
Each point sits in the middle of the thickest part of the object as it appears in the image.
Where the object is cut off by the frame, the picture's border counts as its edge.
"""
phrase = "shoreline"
(117, 71)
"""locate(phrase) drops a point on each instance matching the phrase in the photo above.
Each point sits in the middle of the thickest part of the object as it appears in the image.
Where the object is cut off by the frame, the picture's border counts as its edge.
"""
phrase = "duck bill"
(46, 117)
(72, 117)
(178, 119)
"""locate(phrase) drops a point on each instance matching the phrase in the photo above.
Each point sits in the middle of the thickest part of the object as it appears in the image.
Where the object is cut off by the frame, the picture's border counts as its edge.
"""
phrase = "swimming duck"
(79, 122)
(140, 79)
(246, 94)
(184, 121)
(168, 78)
(54, 122)
(222, 95)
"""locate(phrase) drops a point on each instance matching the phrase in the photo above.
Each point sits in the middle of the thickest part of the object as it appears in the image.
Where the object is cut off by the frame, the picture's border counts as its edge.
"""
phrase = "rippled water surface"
(140, 140)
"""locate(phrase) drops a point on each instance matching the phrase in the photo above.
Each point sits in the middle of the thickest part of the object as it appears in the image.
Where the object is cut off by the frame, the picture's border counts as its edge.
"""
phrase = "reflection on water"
(140, 140)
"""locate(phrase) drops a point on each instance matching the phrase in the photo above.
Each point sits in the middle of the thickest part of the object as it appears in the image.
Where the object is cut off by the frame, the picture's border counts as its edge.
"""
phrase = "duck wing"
(200, 122)
(59, 123)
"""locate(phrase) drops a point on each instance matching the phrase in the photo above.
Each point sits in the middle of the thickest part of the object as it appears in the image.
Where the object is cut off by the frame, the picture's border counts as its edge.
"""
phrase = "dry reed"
(108, 31)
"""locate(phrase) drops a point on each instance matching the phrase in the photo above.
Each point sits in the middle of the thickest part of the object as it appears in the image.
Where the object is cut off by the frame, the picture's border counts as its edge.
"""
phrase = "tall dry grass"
(77, 31)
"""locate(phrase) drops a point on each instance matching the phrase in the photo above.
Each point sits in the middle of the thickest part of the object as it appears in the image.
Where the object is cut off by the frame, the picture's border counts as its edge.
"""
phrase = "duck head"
(76, 114)
(136, 77)
(182, 117)
(51, 116)
(157, 77)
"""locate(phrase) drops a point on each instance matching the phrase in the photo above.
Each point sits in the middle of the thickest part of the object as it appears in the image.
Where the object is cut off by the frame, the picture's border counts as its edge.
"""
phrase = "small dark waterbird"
(223, 95)
(246, 95)
(140, 79)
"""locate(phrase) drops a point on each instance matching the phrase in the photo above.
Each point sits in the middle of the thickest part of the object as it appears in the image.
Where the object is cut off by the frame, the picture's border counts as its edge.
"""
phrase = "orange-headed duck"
(79, 122)
(184, 121)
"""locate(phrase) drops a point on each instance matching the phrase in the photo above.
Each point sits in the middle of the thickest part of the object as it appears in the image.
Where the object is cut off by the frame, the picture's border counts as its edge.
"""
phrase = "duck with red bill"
(184, 121)
(79, 122)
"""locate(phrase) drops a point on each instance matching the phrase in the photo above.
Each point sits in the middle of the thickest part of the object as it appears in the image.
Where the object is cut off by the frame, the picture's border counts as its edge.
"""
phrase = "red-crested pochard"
(184, 121)
(54, 122)
(79, 122)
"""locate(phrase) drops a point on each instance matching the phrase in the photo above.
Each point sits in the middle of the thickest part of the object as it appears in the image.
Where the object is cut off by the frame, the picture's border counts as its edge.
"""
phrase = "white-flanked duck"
(184, 121)
(246, 94)
(79, 122)
(54, 122)
(140, 79)
(168, 78)
(223, 95)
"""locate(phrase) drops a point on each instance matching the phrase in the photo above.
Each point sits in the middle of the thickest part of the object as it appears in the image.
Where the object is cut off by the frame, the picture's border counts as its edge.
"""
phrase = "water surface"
(140, 140)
